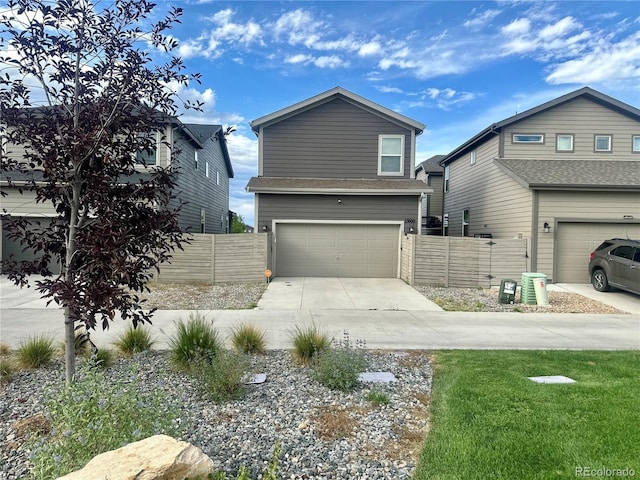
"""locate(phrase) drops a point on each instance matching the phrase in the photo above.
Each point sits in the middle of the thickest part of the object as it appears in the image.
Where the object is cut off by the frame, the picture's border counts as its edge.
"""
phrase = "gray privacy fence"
(425, 260)
(461, 261)
(214, 259)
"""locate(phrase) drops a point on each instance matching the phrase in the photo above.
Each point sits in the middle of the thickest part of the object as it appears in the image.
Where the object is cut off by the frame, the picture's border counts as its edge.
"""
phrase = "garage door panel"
(340, 250)
(577, 240)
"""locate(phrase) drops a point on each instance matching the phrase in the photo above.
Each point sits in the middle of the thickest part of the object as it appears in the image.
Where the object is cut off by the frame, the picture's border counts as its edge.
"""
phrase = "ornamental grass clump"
(134, 340)
(195, 342)
(248, 339)
(309, 343)
(7, 369)
(222, 378)
(98, 413)
(35, 352)
(339, 367)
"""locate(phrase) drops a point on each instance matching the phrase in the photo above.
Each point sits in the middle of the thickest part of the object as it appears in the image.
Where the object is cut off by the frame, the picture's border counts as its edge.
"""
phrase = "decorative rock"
(255, 379)
(155, 458)
(377, 377)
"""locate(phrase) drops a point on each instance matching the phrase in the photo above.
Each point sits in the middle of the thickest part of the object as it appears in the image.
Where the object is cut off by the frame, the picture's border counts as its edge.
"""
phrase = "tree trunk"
(69, 347)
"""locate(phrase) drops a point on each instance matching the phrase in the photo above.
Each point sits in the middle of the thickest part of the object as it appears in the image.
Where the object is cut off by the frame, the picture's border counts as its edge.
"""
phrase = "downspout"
(534, 231)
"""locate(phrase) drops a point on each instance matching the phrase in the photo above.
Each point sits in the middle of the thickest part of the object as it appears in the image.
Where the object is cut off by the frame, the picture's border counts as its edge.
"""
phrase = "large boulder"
(155, 458)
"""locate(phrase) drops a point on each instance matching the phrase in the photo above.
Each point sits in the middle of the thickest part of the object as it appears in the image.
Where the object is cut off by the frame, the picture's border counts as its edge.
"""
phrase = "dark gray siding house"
(202, 183)
(336, 185)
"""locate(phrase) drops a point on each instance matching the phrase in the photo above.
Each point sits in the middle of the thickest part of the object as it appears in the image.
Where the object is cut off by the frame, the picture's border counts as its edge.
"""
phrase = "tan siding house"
(563, 175)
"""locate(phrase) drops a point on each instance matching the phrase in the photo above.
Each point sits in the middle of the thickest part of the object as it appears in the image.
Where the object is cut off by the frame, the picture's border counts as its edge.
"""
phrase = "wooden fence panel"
(193, 264)
(240, 258)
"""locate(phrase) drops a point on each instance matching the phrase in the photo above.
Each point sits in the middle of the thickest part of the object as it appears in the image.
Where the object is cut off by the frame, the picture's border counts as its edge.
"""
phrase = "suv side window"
(636, 256)
(624, 251)
(603, 245)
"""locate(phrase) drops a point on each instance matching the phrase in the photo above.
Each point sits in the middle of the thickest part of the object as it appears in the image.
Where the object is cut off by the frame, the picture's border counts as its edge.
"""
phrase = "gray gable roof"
(201, 133)
(329, 95)
(573, 174)
(584, 92)
(432, 165)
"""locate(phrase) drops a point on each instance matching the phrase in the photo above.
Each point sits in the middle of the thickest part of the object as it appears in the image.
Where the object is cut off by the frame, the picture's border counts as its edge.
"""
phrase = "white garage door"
(577, 240)
(337, 250)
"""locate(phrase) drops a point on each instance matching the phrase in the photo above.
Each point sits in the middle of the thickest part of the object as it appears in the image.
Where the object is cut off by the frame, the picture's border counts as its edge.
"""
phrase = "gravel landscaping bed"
(324, 434)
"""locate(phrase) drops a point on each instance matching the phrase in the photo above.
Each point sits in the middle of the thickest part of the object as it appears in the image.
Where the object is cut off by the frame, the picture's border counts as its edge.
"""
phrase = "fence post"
(447, 260)
(213, 259)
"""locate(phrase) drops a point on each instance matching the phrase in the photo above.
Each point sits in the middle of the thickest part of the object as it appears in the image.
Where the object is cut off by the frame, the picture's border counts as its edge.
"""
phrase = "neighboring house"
(202, 183)
(336, 185)
(564, 175)
(431, 172)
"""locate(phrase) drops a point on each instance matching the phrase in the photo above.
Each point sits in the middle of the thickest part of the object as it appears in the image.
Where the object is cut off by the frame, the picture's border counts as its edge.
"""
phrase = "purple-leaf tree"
(83, 101)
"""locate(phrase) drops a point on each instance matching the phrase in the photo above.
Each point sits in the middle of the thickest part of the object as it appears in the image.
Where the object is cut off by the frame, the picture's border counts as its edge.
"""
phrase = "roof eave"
(339, 191)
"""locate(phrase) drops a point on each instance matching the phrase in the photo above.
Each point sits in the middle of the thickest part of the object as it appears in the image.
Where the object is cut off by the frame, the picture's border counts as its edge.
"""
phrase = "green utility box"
(527, 290)
(507, 291)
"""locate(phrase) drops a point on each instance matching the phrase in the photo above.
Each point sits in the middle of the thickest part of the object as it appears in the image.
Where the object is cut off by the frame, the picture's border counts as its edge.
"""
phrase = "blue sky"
(455, 66)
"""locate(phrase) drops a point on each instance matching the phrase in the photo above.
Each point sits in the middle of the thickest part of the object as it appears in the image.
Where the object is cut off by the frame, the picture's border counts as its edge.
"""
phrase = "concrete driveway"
(310, 293)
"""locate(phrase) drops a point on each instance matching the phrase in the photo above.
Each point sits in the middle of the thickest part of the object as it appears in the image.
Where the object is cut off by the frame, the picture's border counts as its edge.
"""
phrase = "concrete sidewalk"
(380, 329)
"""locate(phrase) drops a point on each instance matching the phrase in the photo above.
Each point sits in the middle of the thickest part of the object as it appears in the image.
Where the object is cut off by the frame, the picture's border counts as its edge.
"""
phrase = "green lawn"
(489, 421)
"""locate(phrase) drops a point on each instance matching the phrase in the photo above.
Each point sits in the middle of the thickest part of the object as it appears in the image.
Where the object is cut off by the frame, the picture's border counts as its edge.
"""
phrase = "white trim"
(336, 191)
(381, 139)
(261, 152)
(413, 155)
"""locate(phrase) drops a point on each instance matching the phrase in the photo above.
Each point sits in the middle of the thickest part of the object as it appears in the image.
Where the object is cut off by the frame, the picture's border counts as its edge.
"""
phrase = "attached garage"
(576, 240)
(12, 248)
(337, 250)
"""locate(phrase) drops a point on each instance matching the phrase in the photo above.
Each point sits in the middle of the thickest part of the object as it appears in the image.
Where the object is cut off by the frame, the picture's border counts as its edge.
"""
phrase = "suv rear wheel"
(599, 281)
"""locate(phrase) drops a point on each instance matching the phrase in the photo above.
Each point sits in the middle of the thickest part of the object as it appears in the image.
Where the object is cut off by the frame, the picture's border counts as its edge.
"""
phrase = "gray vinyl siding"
(586, 206)
(492, 198)
(326, 207)
(199, 191)
(333, 140)
(19, 204)
(583, 119)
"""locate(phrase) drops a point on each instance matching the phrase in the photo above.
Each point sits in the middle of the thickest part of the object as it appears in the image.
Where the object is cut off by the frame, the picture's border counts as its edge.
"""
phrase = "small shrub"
(451, 305)
(7, 369)
(103, 358)
(134, 340)
(5, 349)
(248, 339)
(221, 377)
(96, 414)
(377, 398)
(309, 343)
(270, 472)
(35, 352)
(195, 341)
(339, 367)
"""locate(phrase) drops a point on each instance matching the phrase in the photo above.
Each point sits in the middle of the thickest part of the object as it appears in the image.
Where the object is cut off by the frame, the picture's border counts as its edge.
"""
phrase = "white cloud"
(559, 29)
(299, 58)
(605, 62)
(385, 89)
(482, 20)
(243, 151)
(517, 27)
(370, 48)
(332, 61)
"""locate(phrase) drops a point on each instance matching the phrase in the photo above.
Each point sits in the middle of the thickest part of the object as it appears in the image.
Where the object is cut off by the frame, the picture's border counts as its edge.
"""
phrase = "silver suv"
(616, 263)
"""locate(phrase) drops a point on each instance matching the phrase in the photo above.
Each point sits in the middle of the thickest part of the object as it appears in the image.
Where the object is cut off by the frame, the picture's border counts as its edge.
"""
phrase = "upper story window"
(217, 178)
(472, 157)
(206, 169)
(528, 138)
(602, 143)
(195, 158)
(148, 155)
(564, 143)
(446, 178)
(465, 223)
(635, 144)
(391, 155)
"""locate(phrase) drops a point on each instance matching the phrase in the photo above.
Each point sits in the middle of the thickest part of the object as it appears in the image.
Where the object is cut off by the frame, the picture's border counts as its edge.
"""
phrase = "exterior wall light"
(546, 227)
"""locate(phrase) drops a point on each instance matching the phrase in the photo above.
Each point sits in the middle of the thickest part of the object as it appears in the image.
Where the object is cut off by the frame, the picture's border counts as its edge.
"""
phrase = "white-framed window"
(465, 222)
(206, 169)
(195, 158)
(527, 138)
(635, 144)
(217, 177)
(564, 142)
(472, 157)
(446, 178)
(391, 155)
(602, 143)
(203, 220)
(149, 155)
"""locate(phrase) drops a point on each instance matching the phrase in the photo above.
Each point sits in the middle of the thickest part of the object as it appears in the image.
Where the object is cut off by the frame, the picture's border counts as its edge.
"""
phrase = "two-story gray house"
(202, 183)
(564, 175)
(431, 172)
(336, 186)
